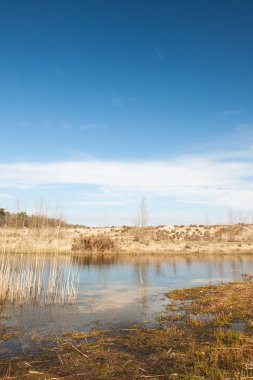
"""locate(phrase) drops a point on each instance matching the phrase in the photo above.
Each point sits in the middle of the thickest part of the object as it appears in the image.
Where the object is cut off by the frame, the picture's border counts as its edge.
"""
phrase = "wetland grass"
(177, 349)
(37, 278)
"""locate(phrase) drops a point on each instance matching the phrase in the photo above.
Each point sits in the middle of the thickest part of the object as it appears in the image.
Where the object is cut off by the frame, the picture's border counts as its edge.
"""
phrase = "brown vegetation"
(206, 334)
(94, 244)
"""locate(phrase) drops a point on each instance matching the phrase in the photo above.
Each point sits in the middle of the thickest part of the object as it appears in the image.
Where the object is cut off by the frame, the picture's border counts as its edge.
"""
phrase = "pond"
(112, 291)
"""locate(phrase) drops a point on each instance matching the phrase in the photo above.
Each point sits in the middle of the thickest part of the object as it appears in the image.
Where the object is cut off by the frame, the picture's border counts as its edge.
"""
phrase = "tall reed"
(37, 278)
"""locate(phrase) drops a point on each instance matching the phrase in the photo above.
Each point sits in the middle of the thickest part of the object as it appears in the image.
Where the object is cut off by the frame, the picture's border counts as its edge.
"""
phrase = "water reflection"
(120, 290)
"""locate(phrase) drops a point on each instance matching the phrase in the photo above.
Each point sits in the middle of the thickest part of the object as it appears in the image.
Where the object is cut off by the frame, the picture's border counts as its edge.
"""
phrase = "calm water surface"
(118, 291)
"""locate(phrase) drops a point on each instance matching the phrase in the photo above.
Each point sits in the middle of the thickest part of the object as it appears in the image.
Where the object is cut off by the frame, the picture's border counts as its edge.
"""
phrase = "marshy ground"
(204, 333)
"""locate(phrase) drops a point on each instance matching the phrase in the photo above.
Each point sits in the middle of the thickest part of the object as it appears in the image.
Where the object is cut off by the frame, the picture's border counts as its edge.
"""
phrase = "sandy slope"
(161, 239)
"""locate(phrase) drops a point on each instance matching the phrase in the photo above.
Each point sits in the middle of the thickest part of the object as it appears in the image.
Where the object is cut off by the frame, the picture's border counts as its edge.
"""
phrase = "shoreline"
(204, 333)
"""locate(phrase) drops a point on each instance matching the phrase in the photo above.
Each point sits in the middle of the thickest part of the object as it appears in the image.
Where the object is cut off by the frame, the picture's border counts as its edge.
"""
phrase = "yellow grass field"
(194, 239)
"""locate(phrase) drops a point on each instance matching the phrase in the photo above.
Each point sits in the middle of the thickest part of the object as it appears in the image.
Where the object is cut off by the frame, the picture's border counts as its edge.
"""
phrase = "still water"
(119, 291)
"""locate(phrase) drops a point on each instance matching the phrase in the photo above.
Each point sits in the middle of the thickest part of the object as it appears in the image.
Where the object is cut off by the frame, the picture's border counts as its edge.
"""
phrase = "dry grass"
(181, 349)
(125, 240)
(227, 303)
(37, 279)
(35, 240)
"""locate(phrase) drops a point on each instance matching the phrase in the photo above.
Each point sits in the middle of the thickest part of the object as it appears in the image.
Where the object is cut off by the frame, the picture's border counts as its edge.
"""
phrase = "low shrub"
(94, 244)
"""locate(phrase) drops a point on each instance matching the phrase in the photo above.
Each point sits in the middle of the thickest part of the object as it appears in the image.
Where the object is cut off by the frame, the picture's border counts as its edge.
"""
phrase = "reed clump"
(37, 278)
(94, 244)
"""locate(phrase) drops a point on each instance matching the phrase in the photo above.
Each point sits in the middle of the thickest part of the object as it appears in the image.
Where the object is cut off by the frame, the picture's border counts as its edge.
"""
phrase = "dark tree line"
(22, 219)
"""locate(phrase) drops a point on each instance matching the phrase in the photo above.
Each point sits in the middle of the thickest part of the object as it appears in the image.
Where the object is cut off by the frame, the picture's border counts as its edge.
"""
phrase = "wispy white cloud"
(5, 196)
(231, 112)
(46, 123)
(23, 124)
(98, 203)
(193, 179)
(246, 128)
(85, 126)
(118, 102)
(66, 125)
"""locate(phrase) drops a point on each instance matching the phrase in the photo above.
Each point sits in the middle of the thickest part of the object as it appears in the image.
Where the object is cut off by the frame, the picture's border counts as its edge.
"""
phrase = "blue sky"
(104, 102)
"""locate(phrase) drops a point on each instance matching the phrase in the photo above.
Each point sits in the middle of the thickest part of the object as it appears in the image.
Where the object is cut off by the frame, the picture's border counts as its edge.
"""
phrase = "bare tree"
(143, 213)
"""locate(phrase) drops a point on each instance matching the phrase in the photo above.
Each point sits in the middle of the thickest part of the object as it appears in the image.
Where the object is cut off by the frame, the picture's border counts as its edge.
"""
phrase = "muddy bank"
(204, 333)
